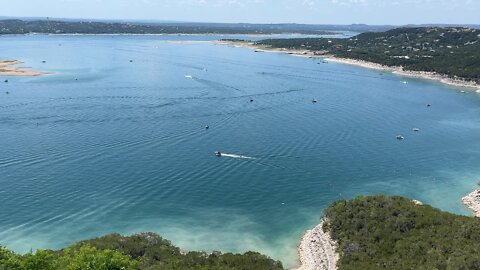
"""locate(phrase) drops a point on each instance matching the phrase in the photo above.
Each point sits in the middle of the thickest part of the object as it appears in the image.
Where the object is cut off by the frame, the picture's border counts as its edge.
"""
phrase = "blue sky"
(255, 11)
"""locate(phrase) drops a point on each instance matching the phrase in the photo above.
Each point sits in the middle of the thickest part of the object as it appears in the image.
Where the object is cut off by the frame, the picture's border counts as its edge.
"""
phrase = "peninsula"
(447, 54)
(382, 232)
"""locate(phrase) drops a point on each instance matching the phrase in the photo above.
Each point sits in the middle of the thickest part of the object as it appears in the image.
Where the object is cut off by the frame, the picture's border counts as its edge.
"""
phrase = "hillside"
(394, 233)
(141, 251)
(454, 52)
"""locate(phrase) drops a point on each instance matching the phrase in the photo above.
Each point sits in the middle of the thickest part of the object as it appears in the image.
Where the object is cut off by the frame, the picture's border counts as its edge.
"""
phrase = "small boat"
(6, 81)
(416, 129)
(44, 61)
(463, 92)
(218, 153)
(189, 76)
(400, 137)
(7, 92)
(428, 105)
(251, 99)
(131, 61)
(404, 82)
(314, 100)
(207, 127)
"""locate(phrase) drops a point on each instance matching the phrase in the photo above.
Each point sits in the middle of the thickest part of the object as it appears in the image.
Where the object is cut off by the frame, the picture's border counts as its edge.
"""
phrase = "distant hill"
(450, 51)
(14, 26)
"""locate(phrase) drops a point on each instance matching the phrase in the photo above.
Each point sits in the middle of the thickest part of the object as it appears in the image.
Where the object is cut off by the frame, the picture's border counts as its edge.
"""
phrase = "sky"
(394, 12)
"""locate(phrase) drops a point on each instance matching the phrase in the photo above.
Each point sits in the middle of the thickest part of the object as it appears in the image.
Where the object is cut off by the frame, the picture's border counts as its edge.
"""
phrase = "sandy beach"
(472, 201)
(317, 250)
(10, 68)
(396, 70)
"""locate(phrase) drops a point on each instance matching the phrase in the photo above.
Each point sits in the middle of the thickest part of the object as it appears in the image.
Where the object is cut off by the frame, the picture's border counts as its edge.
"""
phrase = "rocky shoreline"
(317, 250)
(472, 201)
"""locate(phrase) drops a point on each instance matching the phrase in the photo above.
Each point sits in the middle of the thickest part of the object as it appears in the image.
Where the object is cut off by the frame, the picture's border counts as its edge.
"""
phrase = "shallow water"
(107, 145)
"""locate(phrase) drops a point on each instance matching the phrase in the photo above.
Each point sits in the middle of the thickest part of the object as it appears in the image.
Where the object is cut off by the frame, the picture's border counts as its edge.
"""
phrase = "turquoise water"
(107, 145)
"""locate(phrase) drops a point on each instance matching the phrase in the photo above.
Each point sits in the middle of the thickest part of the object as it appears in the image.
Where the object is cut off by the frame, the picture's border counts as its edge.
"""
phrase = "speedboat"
(400, 137)
(218, 153)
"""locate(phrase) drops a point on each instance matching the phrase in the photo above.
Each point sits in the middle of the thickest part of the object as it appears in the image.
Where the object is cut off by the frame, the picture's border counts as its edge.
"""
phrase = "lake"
(104, 144)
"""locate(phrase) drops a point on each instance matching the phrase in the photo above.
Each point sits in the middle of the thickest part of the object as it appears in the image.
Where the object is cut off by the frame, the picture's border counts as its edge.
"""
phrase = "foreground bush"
(140, 251)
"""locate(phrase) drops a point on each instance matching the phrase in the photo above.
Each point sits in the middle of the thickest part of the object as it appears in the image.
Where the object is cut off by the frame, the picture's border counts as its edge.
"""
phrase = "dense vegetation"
(454, 52)
(89, 27)
(142, 251)
(393, 233)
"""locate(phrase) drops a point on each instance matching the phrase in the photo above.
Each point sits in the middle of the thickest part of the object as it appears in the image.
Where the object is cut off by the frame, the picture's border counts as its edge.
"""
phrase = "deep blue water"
(107, 145)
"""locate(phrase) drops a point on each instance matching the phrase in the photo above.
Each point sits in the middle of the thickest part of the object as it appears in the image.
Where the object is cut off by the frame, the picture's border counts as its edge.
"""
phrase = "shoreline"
(365, 64)
(472, 202)
(407, 73)
(9, 68)
(317, 250)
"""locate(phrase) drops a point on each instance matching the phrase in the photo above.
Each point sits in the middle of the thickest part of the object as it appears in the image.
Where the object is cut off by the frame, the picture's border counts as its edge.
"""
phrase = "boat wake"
(236, 156)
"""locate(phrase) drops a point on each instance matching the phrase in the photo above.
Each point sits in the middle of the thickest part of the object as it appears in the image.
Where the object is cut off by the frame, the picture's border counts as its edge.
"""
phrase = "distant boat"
(189, 76)
(218, 153)
(251, 99)
(429, 105)
(207, 127)
(6, 81)
(314, 100)
(463, 92)
(44, 61)
(416, 129)
(404, 82)
(400, 137)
